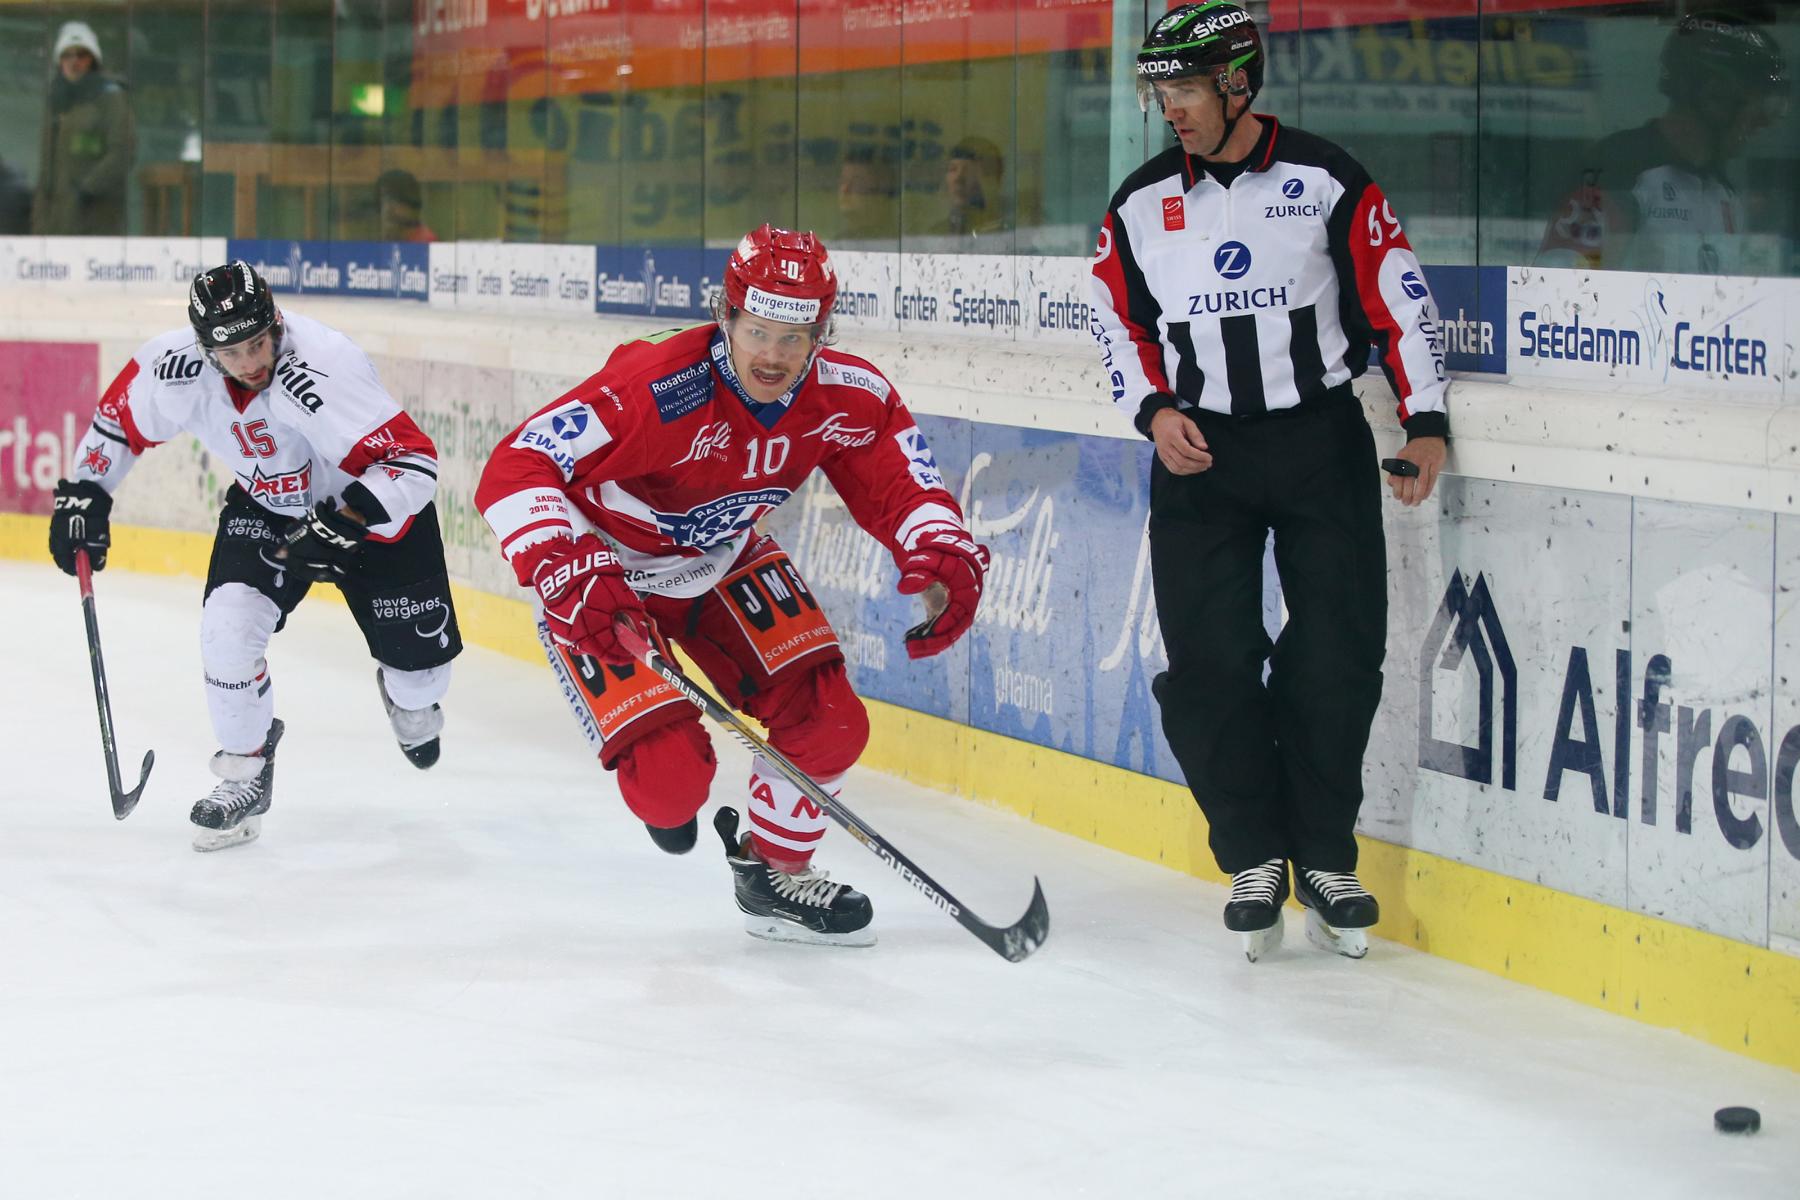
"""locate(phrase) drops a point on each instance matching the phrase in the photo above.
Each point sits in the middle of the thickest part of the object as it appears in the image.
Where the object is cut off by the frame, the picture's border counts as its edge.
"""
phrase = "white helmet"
(76, 35)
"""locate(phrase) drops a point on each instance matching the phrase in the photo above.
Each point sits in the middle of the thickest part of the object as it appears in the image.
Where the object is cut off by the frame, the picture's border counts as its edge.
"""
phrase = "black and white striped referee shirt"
(1265, 293)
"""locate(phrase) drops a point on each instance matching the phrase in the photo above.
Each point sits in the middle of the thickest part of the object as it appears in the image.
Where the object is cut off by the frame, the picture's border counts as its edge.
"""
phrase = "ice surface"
(484, 981)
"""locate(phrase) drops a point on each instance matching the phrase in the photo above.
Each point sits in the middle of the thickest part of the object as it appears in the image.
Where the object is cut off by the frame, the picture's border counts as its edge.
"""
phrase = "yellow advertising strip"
(1740, 997)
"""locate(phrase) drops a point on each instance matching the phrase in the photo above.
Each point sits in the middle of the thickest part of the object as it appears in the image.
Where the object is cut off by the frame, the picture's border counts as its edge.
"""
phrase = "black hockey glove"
(81, 521)
(321, 545)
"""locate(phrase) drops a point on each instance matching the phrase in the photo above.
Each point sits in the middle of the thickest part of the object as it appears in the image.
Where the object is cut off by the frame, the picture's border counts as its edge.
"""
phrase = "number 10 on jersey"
(767, 455)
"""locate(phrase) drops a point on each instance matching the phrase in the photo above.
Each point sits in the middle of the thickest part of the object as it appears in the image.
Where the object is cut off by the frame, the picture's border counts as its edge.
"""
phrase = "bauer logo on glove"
(583, 590)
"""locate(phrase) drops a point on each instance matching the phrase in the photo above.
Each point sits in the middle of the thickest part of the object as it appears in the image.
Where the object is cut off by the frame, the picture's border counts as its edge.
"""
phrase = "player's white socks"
(236, 624)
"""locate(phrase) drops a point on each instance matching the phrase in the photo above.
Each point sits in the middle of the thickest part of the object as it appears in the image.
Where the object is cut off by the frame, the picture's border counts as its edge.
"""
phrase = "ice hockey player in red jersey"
(334, 483)
(636, 495)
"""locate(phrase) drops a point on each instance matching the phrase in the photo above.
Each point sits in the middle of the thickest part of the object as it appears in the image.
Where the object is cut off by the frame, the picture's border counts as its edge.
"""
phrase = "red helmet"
(781, 275)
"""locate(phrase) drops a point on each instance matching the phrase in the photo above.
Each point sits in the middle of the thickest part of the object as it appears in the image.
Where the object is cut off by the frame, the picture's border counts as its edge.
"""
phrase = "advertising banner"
(1471, 305)
(151, 265)
(655, 281)
(376, 270)
(1583, 691)
(1713, 332)
(50, 388)
(476, 50)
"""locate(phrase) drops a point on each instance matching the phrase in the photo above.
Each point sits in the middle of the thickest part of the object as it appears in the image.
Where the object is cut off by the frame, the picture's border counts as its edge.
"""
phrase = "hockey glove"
(322, 545)
(583, 589)
(80, 521)
(948, 556)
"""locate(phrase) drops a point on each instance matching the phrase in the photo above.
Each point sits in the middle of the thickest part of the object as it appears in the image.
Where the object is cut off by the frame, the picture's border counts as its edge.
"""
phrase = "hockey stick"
(122, 802)
(1014, 943)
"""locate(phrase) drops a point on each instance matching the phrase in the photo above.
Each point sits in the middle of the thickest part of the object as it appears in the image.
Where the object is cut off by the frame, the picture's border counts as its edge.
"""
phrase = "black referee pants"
(1277, 769)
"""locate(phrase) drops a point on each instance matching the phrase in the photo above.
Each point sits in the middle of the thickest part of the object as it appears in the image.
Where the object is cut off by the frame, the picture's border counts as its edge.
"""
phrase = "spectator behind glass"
(868, 216)
(401, 206)
(1657, 198)
(88, 144)
(973, 190)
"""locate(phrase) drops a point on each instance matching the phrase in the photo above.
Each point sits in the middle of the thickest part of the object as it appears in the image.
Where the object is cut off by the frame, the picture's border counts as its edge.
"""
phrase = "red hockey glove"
(583, 587)
(948, 556)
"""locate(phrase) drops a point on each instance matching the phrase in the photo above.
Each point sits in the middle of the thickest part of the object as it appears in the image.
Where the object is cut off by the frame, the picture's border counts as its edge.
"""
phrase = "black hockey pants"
(1277, 769)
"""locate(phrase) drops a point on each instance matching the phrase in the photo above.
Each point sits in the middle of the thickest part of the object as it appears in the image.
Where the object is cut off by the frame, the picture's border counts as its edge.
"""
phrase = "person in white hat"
(88, 145)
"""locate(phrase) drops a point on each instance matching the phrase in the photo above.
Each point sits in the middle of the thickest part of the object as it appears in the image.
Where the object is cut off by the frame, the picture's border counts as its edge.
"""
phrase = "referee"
(1240, 282)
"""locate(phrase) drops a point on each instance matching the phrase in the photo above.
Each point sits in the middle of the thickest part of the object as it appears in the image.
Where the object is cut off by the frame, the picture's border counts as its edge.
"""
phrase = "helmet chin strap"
(1231, 122)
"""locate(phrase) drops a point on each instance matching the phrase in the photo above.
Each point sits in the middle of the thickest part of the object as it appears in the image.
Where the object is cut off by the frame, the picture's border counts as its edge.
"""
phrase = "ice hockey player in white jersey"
(334, 483)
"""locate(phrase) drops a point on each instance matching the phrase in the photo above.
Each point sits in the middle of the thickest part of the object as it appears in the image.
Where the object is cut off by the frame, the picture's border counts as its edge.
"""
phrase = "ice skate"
(231, 814)
(1254, 907)
(804, 906)
(678, 840)
(416, 729)
(1338, 910)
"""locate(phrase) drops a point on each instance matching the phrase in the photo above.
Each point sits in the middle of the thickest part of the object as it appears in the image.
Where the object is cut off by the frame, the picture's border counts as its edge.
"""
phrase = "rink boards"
(1581, 777)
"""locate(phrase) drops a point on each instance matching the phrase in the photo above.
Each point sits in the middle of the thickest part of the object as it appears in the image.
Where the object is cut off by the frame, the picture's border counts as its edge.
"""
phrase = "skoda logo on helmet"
(1220, 23)
(1157, 66)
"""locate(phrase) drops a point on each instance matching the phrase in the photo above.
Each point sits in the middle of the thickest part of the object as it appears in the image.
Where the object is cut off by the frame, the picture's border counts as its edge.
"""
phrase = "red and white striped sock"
(785, 826)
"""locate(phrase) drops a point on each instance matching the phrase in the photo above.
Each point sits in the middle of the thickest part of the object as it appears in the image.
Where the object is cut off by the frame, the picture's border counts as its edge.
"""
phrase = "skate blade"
(247, 830)
(1259, 943)
(774, 929)
(1351, 943)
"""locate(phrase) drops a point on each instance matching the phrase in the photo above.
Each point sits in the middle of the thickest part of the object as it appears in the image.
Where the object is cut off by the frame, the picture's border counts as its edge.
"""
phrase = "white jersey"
(323, 425)
(1265, 292)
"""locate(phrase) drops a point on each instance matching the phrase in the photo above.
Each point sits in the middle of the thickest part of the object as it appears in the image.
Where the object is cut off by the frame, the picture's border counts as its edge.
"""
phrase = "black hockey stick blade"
(122, 801)
(1014, 943)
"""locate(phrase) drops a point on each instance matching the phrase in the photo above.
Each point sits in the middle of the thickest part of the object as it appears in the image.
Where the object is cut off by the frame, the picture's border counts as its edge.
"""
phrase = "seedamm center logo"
(1468, 630)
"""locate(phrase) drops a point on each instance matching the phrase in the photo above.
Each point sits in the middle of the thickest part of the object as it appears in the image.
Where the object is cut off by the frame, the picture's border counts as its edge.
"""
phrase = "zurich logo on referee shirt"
(1291, 188)
(1232, 260)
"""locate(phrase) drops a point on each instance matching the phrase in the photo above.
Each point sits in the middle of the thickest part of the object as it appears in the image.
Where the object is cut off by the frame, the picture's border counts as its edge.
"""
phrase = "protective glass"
(1164, 94)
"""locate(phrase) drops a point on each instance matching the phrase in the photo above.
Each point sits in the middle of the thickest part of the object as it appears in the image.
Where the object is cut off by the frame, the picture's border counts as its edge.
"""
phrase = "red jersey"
(672, 462)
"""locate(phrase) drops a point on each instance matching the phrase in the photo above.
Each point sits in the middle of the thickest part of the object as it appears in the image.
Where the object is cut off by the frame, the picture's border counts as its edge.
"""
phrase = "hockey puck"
(1737, 1120)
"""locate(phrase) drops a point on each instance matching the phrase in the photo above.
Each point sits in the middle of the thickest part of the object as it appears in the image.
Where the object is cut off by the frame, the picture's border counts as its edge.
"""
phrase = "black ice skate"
(678, 840)
(416, 729)
(1254, 908)
(232, 813)
(1338, 909)
(801, 907)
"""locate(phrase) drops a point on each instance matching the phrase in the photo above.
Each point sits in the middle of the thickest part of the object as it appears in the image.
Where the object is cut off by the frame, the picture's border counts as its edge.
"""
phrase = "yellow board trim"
(1736, 996)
